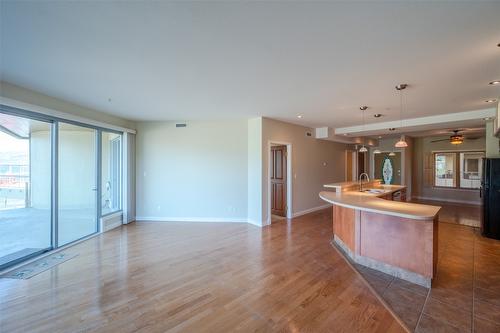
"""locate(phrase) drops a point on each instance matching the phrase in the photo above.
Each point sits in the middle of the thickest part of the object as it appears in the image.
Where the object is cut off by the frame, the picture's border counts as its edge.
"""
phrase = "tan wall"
(423, 146)
(309, 173)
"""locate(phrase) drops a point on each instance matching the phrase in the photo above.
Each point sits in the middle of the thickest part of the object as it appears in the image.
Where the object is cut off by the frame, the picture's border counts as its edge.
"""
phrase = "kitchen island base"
(399, 246)
(380, 266)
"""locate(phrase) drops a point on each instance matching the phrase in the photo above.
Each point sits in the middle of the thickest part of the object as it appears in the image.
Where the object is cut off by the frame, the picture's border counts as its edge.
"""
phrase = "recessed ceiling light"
(491, 100)
(494, 83)
(299, 116)
(363, 108)
(380, 136)
(377, 115)
(392, 129)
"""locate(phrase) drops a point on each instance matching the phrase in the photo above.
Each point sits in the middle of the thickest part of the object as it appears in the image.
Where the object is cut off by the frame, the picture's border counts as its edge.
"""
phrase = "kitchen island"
(374, 230)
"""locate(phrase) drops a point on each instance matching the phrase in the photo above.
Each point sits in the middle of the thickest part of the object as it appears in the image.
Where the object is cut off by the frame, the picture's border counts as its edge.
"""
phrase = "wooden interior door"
(350, 158)
(278, 180)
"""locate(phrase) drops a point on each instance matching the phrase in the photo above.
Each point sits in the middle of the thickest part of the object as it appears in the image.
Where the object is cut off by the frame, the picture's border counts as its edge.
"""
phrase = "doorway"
(280, 193)
(278, 181)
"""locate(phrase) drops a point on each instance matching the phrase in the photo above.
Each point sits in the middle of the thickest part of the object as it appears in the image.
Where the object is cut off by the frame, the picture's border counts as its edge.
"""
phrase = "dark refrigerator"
(490, 193)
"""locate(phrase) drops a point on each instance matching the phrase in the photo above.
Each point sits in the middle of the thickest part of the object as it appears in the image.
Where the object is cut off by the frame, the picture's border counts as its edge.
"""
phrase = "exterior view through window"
(458, 169)
(25, 196)
(111, 172)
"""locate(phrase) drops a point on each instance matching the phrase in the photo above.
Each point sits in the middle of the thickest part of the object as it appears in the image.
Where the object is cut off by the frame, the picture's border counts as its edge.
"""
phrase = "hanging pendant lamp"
(401, 143)
(363, 149)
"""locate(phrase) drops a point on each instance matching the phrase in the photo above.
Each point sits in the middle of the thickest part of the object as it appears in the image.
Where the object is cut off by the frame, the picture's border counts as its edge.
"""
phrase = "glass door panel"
(111, 172)
(25, 188)
(77, 196)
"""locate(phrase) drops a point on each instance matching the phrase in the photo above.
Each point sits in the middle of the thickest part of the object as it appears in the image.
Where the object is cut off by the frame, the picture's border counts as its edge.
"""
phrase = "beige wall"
(492, 142)
(32, 97)
(423, 146)
(193, 173)
(309, 173)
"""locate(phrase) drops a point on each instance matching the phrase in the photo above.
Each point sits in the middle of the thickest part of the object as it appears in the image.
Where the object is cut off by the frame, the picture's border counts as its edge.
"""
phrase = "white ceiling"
(187, 60)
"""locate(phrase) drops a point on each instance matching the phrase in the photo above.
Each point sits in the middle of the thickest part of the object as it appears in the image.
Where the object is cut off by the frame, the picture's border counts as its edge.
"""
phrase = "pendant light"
(363, 149)
(377, 151)
(392, 153)
(401, 143)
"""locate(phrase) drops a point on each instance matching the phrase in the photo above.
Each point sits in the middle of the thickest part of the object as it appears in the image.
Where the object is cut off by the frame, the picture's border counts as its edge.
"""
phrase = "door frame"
(289, 194)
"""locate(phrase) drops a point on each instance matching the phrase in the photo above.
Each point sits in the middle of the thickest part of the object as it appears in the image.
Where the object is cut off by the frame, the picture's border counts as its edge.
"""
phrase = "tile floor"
(465, 295)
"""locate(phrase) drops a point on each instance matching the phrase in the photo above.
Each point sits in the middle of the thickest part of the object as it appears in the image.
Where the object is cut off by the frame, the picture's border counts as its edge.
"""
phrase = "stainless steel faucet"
(360, 180)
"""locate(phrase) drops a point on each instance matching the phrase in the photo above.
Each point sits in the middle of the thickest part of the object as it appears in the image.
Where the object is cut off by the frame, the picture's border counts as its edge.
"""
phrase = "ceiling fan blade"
(440, 140)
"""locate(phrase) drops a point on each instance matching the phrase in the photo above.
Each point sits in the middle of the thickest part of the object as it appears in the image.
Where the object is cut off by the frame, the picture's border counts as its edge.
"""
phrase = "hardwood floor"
(199, 277)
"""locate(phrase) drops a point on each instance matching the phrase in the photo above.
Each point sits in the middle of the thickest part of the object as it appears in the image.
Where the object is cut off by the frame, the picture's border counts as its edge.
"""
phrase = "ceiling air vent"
(180, 125)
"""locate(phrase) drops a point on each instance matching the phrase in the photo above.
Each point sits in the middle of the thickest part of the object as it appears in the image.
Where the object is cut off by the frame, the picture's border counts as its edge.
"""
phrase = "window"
(445, 174)
(471, 166)
(458, 169)
(111, 172)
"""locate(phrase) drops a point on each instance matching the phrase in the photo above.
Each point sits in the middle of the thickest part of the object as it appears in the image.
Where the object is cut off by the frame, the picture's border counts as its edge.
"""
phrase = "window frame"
(457, 173)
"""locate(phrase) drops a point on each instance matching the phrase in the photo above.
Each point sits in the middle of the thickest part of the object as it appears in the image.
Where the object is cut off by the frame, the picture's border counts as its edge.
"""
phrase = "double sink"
(375, 191)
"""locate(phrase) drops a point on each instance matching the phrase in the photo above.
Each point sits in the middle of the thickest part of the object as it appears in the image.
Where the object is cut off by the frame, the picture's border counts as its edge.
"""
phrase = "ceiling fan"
(456, 139)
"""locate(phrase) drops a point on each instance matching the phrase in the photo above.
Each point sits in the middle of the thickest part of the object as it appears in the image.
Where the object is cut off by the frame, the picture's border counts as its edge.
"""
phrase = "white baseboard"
(310, 210)
(192, 219)
(221, 219)
(256, 223)
(474, 203)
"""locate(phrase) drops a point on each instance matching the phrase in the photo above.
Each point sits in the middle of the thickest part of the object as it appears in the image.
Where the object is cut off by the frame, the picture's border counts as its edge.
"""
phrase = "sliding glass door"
(57, 179)
(77, 183)
(25, 188)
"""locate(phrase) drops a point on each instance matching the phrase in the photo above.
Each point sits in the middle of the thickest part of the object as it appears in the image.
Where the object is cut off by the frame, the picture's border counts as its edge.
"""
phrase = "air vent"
(180, 125)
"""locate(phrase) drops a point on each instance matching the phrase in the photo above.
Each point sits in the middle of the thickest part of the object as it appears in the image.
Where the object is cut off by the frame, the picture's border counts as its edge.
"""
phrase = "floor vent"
(111, 221)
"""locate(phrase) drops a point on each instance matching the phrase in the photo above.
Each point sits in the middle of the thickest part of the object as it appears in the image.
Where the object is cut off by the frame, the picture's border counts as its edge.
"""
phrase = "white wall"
(309, 173)
(194, 173)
